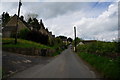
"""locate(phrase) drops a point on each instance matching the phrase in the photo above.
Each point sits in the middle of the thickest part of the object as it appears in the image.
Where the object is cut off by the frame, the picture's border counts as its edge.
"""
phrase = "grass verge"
(9, 42)
(109, 68)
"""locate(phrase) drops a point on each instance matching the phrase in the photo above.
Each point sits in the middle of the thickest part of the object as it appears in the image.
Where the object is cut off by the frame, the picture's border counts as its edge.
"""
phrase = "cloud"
(94, 20)
(10, 7)
(100, 27)
(21, 0)
(59, 0)
(48, 10)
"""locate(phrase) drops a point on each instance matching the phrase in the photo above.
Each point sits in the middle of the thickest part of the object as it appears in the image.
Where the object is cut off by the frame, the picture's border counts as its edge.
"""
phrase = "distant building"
(81, 43)
(86, 42)
(69, 40)
(63, 38)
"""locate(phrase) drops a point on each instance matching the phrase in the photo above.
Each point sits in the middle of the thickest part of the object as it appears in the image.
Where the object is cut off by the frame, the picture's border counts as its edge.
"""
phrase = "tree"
(29, 21)
(41, 24)
(5, 18)
(23, 34)
(34, 23)
(78, 40)
(70, 39)
(62, 37)
(38, 37)
(47, 29)
(22, 18)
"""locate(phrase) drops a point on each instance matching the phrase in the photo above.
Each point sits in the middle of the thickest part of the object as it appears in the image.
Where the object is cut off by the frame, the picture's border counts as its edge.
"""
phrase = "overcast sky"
(94, 20)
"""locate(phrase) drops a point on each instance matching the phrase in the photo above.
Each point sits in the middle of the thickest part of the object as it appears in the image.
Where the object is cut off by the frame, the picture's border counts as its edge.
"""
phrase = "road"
(65, 65)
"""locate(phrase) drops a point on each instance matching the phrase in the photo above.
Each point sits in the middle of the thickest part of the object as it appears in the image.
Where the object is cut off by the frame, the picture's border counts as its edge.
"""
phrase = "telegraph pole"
(20, 4)
(75, 38)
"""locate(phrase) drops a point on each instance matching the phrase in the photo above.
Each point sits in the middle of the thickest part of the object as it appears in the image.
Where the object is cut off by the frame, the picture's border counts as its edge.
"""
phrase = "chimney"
(50, 33)
(40, 21)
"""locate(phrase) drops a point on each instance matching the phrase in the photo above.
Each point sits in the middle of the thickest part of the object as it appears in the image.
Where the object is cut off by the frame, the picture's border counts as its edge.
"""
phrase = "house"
(45, 31)
(81, 43)
(86, 42)
(10, 28)
(42, 28)
(63, 38)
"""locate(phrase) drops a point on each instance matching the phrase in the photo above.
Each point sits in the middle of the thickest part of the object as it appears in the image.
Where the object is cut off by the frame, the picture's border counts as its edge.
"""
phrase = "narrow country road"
(66, 65)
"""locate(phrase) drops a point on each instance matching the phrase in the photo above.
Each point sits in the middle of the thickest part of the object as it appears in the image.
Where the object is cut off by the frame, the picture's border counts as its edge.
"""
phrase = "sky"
(94, 19)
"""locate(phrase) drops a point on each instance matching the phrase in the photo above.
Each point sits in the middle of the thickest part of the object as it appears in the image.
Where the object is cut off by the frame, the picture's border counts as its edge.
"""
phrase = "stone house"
(46, 32)
(10, 27)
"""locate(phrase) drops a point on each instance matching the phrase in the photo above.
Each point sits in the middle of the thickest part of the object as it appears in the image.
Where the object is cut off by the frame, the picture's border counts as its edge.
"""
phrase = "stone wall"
(31, 51)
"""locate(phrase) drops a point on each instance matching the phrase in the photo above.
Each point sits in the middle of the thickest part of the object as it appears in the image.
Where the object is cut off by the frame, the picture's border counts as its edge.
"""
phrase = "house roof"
(12, 23)
(89, 41)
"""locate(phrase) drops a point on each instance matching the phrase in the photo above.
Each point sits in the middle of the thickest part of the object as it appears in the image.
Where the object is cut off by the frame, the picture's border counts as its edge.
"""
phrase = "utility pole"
(20, 4)
(75, 38)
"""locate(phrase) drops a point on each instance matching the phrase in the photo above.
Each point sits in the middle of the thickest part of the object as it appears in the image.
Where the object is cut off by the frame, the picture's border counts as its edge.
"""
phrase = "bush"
(23, 34)
(33, 35)
(38, 37)
(100, 48)
(108, 67)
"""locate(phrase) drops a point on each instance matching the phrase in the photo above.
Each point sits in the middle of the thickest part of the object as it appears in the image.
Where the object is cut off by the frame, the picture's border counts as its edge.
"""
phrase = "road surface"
(66, 65)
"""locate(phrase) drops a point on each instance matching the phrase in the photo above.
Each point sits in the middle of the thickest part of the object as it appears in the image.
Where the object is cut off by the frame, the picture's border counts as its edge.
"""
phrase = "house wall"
(10, 27)
(6, 34)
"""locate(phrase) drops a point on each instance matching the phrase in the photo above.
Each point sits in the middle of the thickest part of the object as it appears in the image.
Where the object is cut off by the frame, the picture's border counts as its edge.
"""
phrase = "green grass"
(22, 44)
(109, 68)
(28, 44)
